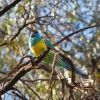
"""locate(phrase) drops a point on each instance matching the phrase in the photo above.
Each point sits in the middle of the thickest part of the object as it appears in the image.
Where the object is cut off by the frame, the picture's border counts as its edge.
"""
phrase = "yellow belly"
(38, 48)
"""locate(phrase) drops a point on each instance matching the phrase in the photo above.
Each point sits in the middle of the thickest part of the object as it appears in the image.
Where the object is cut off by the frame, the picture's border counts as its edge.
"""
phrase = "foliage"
(57, 20)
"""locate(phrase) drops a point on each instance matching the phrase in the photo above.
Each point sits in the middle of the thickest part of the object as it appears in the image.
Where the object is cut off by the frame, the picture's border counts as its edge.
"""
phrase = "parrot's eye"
(33, 34)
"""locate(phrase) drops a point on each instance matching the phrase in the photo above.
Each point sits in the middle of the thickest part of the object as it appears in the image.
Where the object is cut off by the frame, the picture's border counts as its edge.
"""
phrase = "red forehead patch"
(33, 30)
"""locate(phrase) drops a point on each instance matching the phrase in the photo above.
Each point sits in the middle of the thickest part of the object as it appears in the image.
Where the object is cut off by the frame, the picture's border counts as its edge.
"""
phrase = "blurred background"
(54, 19)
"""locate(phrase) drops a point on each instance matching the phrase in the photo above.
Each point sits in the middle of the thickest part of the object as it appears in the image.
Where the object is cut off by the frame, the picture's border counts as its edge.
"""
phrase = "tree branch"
(22, 72)
(9, 7)
(66, 37)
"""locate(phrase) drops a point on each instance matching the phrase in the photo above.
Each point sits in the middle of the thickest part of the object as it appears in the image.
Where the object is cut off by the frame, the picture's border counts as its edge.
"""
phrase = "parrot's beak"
(32, 34)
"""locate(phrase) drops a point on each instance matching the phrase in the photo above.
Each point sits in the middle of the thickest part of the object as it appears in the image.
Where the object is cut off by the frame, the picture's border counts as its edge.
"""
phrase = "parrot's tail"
(81, 73)
(67, 63)
(77, 70)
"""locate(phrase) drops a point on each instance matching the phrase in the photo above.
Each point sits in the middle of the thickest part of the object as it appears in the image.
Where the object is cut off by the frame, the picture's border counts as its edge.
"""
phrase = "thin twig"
(25, 80)
(54, 6)
(18, 91)
(31, 90)
(73, 33)
(52, 73)
(21, 97)
(63, 88)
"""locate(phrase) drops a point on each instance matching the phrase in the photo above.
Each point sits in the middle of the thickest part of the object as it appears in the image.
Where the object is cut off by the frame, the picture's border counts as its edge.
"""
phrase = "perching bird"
(37, 46)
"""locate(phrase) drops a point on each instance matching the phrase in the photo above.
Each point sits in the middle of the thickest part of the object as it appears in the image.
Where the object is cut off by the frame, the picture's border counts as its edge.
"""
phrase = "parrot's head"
(34, 34)
(34, 38)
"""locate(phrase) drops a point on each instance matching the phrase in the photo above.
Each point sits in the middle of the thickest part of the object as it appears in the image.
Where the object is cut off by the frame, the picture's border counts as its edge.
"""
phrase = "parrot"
(38, 45)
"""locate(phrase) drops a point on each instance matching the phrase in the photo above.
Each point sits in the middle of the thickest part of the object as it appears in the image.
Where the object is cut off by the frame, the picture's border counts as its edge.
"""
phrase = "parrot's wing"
(48, 43)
